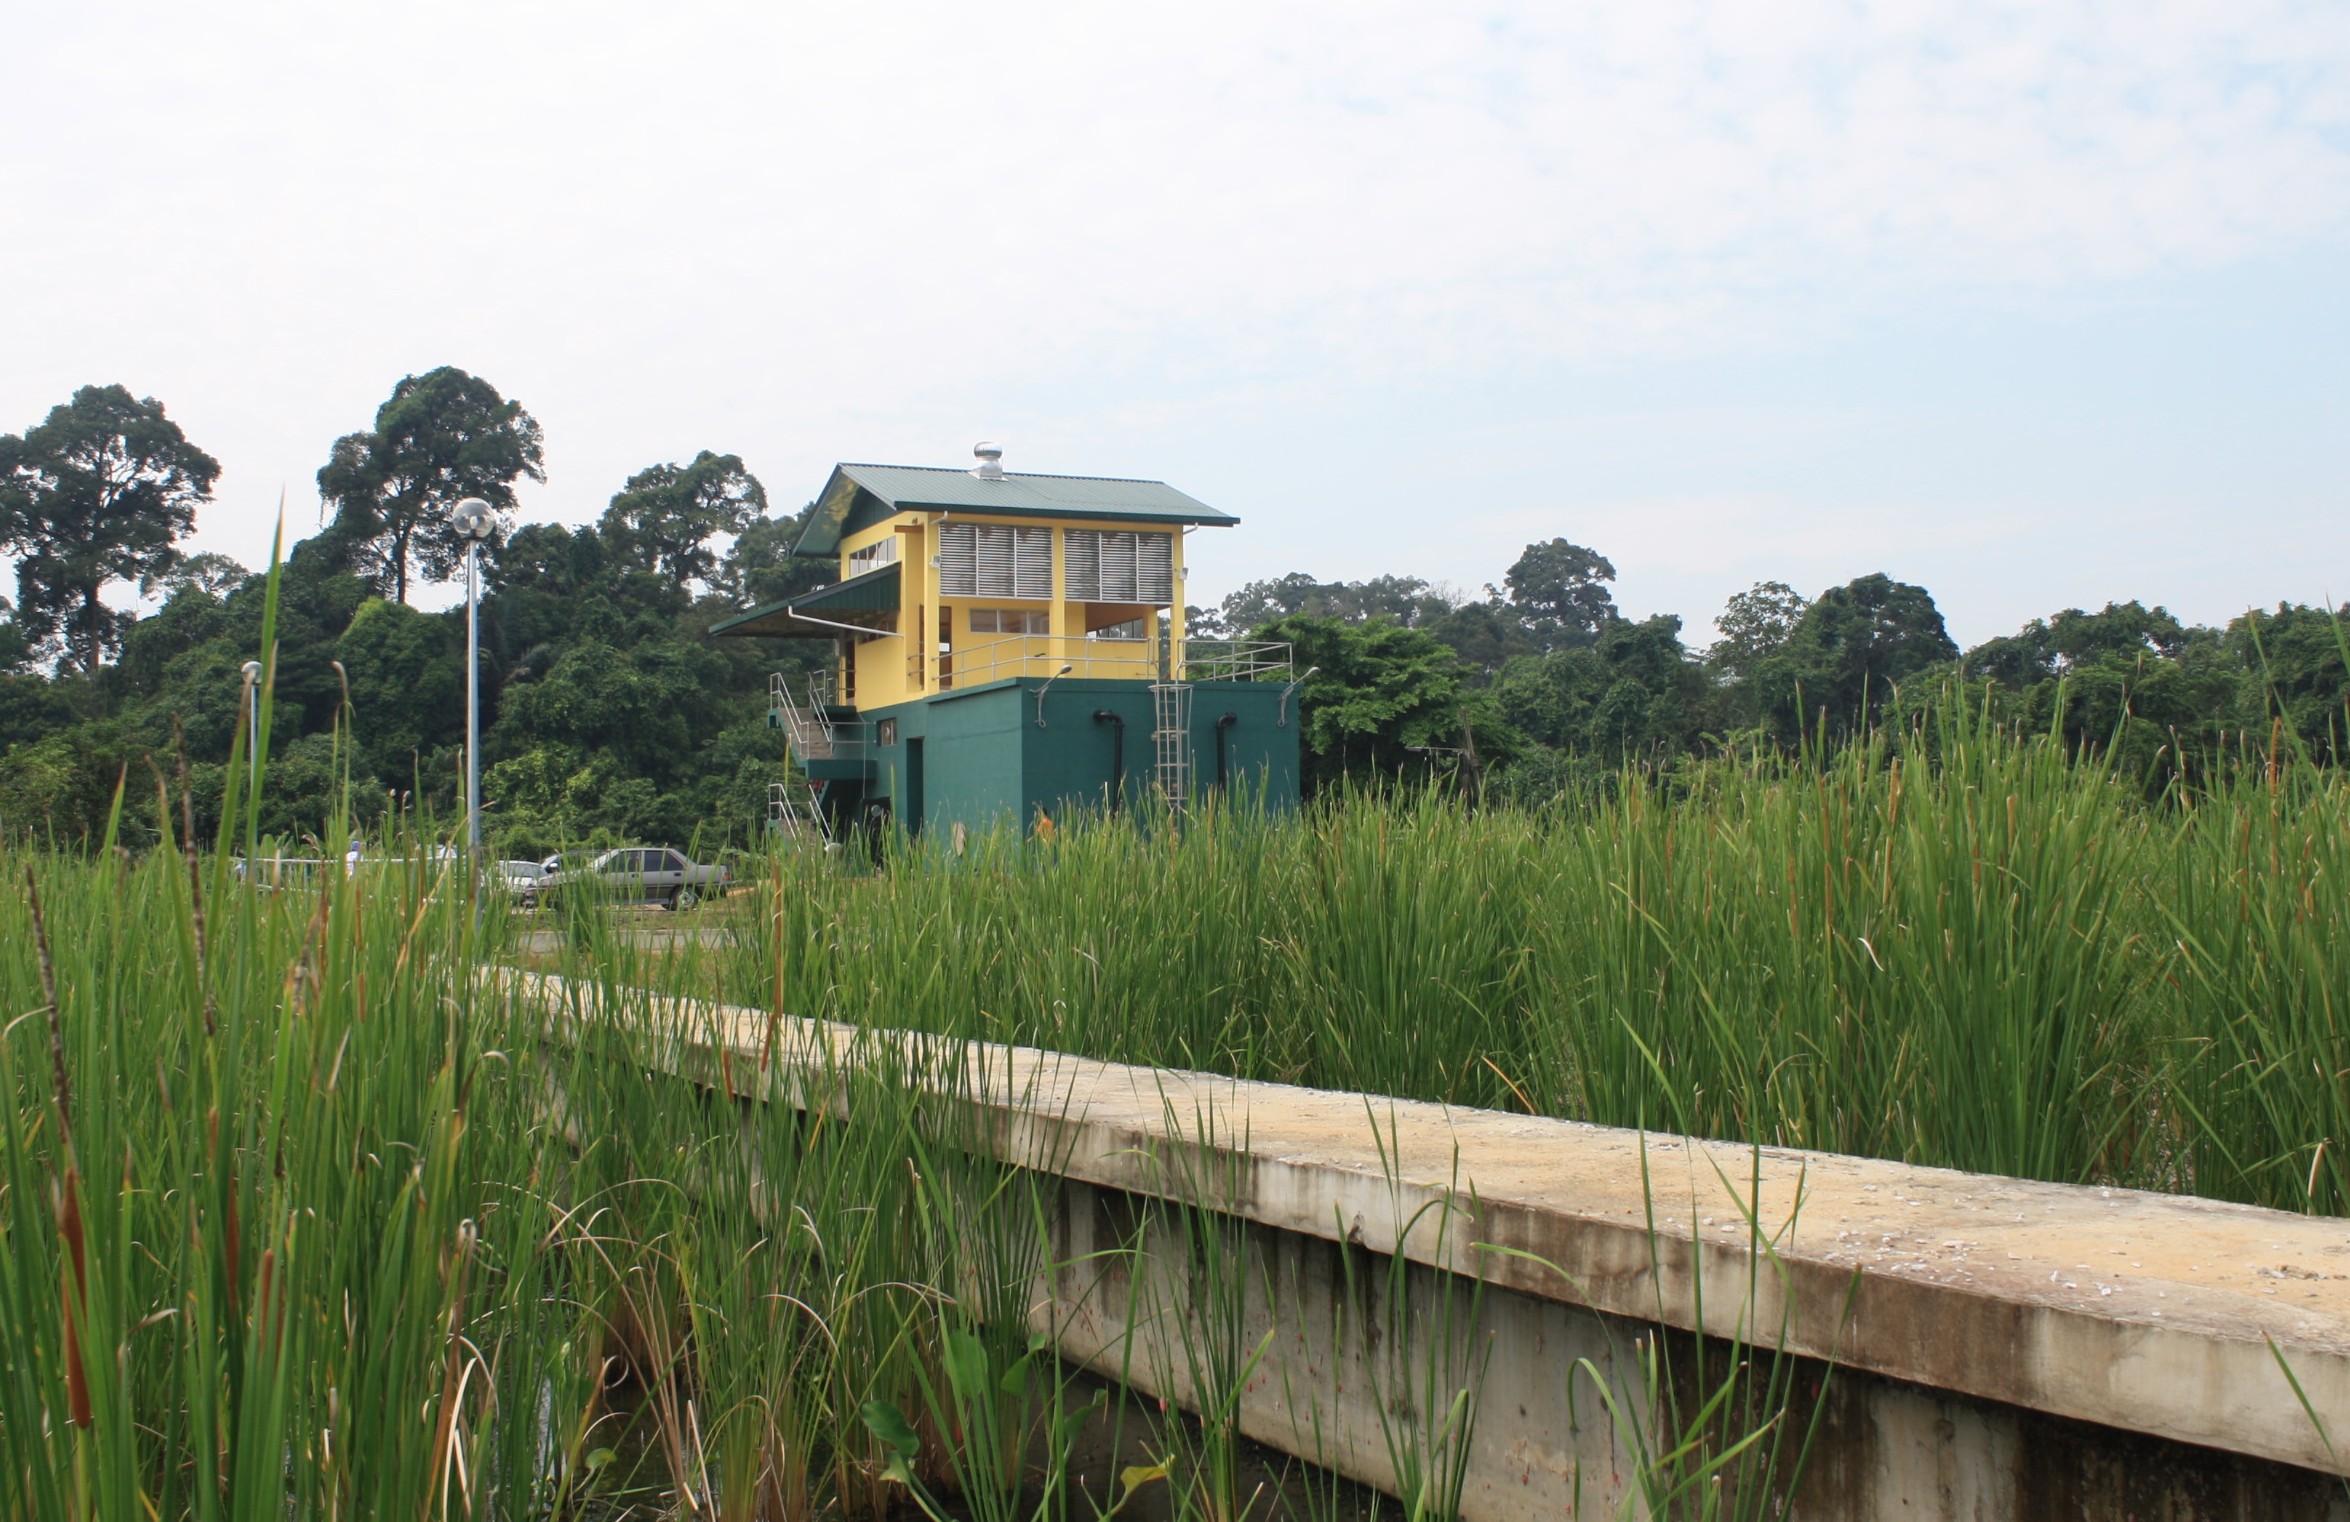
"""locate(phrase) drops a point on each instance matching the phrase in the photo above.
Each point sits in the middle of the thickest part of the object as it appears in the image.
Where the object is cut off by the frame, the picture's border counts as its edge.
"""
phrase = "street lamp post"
(252, 670)
(474, 522)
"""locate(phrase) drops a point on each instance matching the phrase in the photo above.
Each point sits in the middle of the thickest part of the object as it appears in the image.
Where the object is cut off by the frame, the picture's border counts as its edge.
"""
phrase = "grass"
(301, 1217)
(1980, 953)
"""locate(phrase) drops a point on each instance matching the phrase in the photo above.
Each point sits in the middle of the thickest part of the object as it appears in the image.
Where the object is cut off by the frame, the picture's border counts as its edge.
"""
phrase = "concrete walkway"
(650, 936)
(2157, 1315)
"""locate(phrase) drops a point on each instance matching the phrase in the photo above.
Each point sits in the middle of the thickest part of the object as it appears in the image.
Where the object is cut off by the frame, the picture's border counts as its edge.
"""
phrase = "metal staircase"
(795, 810)
(811, 732)
(800, 819)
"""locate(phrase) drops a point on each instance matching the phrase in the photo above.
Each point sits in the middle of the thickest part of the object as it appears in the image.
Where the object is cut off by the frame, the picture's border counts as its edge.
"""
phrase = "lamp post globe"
(474, 521)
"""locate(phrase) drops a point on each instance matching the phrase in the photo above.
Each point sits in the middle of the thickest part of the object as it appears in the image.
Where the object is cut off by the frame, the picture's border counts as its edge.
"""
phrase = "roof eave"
(833, 505)
(1088, 514)
(841, 604)
(726, 628)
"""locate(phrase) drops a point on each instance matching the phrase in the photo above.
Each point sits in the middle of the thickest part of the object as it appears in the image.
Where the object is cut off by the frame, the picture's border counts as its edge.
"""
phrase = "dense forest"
(610, 714)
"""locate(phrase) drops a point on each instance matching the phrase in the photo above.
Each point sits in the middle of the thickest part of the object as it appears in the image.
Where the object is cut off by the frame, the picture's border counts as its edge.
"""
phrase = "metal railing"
(1131, 660)
(814, 734)
(1235, 660)
(274, 872)
(796, 814)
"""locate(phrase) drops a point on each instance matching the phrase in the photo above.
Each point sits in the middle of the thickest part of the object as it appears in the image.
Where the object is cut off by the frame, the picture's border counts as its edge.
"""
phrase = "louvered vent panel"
(995, 561)
(1032, 563)
(1081, 573)
(1117, 568)
(958, 560)
(1154, 568)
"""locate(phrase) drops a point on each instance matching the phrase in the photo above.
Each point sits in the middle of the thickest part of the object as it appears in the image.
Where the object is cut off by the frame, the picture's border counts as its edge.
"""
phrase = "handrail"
(796, 817)
(810, 730)
(998, 659)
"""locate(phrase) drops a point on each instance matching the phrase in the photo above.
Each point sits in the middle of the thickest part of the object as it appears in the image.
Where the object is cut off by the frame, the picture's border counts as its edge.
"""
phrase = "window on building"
(1133, 628)
(874, 556)
(994, 560)
(886, 732)
(1119, 565)
(1010, 621)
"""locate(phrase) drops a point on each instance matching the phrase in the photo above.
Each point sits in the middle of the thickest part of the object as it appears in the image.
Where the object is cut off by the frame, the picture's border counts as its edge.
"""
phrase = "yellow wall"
(899, 667)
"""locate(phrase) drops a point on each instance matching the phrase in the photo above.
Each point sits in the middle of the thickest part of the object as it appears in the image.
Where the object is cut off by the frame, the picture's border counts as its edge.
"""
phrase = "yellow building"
(998, 634)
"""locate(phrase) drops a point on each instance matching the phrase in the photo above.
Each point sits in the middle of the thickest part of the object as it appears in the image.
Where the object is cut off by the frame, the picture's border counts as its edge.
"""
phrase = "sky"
(2037, 305)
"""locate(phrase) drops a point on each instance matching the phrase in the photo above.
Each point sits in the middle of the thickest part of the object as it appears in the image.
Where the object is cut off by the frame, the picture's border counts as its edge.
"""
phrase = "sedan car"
(522, 879)
(642, 874)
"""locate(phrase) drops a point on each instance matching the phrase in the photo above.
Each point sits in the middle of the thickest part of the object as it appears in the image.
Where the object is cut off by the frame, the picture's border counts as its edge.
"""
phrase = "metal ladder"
(1171, 739)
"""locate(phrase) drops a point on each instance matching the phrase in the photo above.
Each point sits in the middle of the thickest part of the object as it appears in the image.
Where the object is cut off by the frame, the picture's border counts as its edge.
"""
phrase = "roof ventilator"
(991, 461)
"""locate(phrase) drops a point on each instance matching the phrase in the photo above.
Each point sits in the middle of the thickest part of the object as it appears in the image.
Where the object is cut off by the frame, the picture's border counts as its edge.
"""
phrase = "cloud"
(807, 231)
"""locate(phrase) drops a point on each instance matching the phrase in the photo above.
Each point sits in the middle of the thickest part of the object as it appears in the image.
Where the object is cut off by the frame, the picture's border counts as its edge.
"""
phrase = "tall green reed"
(1955, 945)
(318, 1223)
(281, 1206)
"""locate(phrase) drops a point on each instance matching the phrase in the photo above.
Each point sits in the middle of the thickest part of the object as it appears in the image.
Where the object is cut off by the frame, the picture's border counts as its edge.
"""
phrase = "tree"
(2127, 633)
(214, 575)
(407, 678)
(16, 647)
(441, 437)
(30, 708)
(2297, 670)
(1380, 689)
(664, 518)
(1632, 689)
(1753, 625)
(102, 491)
(1561, 590)
(760, 567)
(1848, 651)
(1260, 602)
(2015, 661)
(1485, 635)
(190, 617)
(1412, 601)
(648, 708)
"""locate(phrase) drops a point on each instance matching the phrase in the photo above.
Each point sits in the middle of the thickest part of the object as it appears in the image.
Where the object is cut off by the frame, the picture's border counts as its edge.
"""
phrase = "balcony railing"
(1129, 660)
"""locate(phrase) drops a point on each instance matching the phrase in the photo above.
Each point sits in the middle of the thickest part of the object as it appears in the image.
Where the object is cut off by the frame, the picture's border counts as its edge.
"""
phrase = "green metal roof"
(870, 601)
(859, 496)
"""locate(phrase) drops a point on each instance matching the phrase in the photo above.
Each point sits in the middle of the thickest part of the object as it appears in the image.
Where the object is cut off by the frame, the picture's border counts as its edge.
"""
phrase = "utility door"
(910, 806)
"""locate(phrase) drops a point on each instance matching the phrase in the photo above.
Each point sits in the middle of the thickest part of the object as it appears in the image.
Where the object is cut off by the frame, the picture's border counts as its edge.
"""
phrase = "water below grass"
(1129, 1432)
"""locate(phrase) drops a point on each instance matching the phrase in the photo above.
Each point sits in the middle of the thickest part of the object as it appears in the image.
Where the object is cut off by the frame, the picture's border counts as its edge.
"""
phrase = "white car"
(522, 879)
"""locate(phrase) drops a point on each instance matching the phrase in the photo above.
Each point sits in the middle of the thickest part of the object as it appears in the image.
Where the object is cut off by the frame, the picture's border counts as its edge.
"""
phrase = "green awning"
(865, 603)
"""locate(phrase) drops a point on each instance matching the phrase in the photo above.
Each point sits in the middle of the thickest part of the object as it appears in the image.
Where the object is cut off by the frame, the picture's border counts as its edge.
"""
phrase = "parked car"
(523, 879)
(641, 874)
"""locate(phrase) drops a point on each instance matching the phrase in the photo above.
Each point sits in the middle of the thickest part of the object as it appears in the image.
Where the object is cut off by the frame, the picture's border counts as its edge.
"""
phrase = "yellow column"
(930, 598)
(1058, 612)
(1175, 611)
